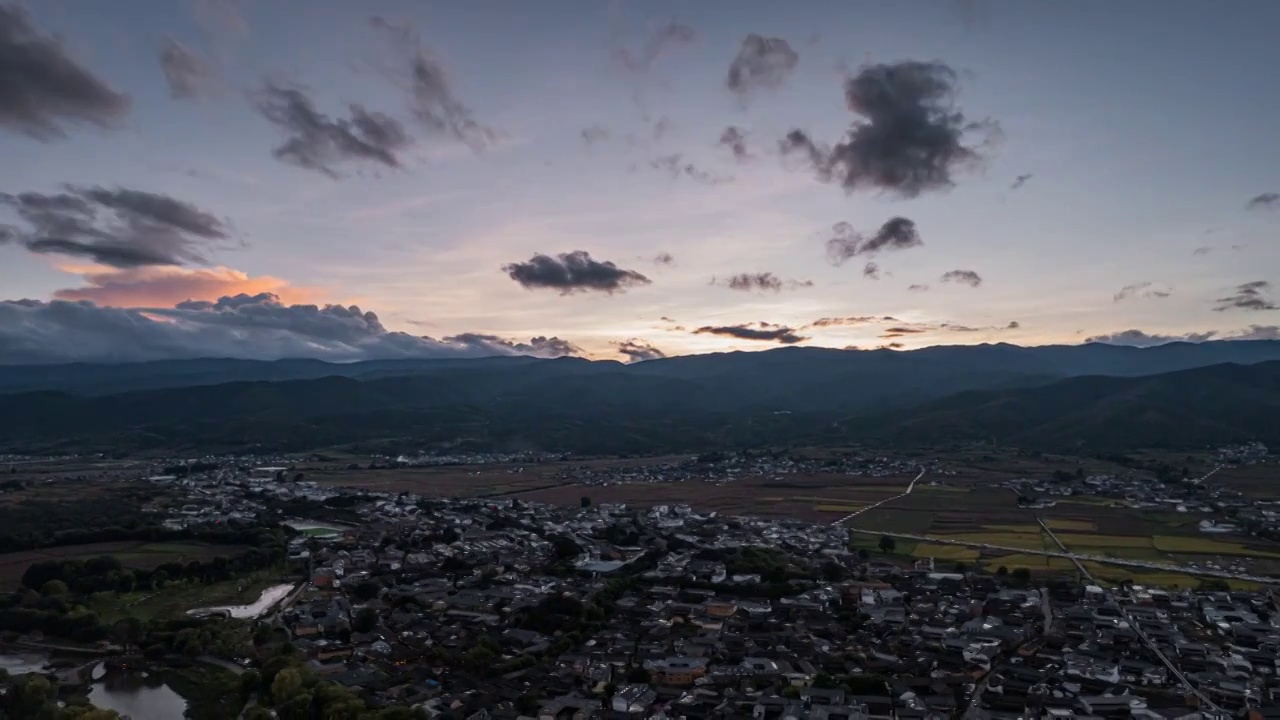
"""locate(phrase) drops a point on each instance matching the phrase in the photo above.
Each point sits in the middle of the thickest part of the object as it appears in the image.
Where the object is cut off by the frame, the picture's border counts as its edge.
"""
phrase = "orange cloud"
(168, 286)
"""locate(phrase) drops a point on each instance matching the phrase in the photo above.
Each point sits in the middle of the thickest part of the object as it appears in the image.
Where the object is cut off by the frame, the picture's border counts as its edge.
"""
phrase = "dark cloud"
(851, 320)
(317, 142)
(899, 331)
(190, 76)
(549, 347)
(1265, 201)
(1254, 295)
(43, 88)
(891, 346)
(664, 258)
(968, 277)
(736, 140)
(766, 332)
(918, 287)
(871, 270)
(1020, 181)
(845, 243)
(118, 227)
(573, 272)
(1013, 325)
(636, 350)
(762, 63)
(910, 139)
(1139, 338)
(764, 281)
(594, 134)
(1202, 251)
(662, 39)
(1140, 290)
(675, 166)
(662, 127)
(432, 99)
(246, 326)
(664, 318)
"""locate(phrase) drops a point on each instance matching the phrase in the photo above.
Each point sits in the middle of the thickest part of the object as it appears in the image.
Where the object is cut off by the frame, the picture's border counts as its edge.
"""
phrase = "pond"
(266, 601)
(137, 696)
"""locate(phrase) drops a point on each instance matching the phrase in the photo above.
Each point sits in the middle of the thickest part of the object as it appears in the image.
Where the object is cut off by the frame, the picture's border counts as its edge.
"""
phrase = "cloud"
(255, 327)
(910, 137)
(968, 277)
(675, 166)
(1265, 201)
(764, 281)
(594, 134)
(1021, 180)
(1140, 290)
(918, 287)
(549, 347)
(317, 142)
(118, 227)
(891, 346)
(1013, 325)
(1202, 251)
(636, 350)
(839, 321)
(762, 63)
(871, 270)
(43, 88)
(573, 272)
(1139, 338)
(736, 140)
(845, 243)
(900, 330)
(664, 258)
(190, 77)
(662, 39)
(1248, 296)
(432, 99)
(763, 331)
(168, 286)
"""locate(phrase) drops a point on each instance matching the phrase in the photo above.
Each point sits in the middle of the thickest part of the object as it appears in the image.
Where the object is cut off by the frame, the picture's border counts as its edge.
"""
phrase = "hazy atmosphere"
(630, 180)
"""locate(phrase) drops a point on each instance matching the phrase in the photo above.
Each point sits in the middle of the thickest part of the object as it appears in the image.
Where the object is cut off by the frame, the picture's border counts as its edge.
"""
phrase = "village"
(503, 608)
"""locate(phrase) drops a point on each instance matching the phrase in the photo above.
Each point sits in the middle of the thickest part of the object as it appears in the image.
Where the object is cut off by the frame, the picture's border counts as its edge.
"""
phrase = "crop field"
(1257, 481)
(132, 554)
(836, 498)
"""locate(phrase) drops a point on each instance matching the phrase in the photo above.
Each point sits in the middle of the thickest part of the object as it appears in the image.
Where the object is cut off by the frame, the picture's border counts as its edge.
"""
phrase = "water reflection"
(137, 696)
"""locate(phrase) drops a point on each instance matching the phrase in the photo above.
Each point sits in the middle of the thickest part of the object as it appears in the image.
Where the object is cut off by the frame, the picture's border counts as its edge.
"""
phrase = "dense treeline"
(221, 534)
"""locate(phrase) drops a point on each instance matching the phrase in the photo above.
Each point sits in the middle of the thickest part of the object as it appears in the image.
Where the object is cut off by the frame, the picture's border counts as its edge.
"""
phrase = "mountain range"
(1050, 397)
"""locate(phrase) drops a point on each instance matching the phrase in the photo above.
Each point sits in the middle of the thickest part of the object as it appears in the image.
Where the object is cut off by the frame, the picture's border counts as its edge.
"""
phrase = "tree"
(887, 544)
(863, 555)
(638, 675)
(287, 685)
(586, 501)
(365, 620)
(1022, 575)
(54, 588)
(1002, 571)
(833, 571)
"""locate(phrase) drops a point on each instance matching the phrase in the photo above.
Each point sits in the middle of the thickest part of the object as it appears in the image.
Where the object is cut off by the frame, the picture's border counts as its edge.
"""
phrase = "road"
(910, 486)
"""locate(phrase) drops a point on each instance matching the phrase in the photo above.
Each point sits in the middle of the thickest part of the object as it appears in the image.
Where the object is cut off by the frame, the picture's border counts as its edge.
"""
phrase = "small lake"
(138, 697)
(266, 601)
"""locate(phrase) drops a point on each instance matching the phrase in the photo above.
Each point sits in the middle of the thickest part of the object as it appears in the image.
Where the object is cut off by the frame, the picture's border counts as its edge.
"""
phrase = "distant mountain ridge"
(1049, 397)
(1047, 361)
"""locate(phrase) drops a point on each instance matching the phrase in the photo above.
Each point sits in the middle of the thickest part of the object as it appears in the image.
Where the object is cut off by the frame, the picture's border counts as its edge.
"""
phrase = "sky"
(627, 180)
